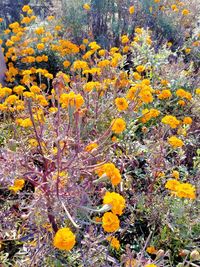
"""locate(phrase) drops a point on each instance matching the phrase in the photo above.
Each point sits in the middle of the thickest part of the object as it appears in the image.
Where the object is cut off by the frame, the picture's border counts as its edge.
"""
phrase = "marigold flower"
(175, 142)
(86, 6)
(124, 39)
(118, 125)
(186, 190)
(121, 103)
(25, 8)
(18, 185)
(187, 50)
(187, 120)
(172, 184)
(171, 121)
(183, 94)
(64, 239)
(72, 100)
(66, 63)
(151, 250)
(197, 91)
(33, 142)
(88, 87)
(78, 64)
(181, 102)
(185, 12)
(114, 242)
(19, 89)
(140, 68)
(165, 94)
(116, 201)
(91, 147)
(35, 89)
(175, 174)
(40, 46)
(111, 172)
(131, 9)
(110, 222)
(151, 265)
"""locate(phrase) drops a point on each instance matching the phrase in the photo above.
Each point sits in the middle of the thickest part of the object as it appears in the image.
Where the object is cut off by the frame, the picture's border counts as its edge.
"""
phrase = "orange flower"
(116, 201)
(110, 222)
(118, 125)
(18, 185)
(121, 103)
(86, 6)
(64, 239)
(114, 242)
(175, 142)
(131, 9)
(172, 184)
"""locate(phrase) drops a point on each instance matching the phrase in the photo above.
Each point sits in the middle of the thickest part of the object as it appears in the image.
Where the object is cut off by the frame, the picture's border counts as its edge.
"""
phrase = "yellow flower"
(18, 185)
(72, 100)
(66, 63)
(86, 6)
(33, 142)
(165, 94)
(172, 184)
(131, 9)
(49, 18)
(88, 87)
(124, 39)
(110, 222)
(197, 91)
(111, 171)
(35, 89)
(187, 50)
(79, 64)
(64, 239)
(91, 147)
(40, 46)
(137, 76)
(118, 125)
(116, 201)
(181, 102)
(186, 190)
(175, 142)
(114, 242)
(151, 250)
(171, 121)
(25, 8)
(121, 103)
(11, 99)
(19, 89)
(150, 265)
(140, 68)
(187, 120)
(175, 174)
(183, 94)
(185, 12)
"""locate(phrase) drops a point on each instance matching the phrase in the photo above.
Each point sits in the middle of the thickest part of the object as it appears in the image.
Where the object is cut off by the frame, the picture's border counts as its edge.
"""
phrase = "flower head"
(171, 121)
(121, 103)
(110, 222)
(118, 125)
(175, 142)
(116, 201)
(64, 239)
(131, 9)
(18, 185)
(114, 242)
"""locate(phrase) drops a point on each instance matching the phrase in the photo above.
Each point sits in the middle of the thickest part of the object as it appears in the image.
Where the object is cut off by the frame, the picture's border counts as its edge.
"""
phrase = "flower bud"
(194, 255)
(160, 253)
